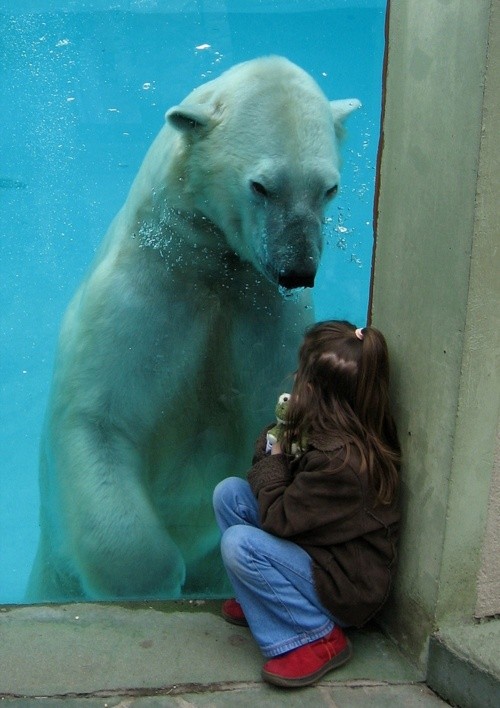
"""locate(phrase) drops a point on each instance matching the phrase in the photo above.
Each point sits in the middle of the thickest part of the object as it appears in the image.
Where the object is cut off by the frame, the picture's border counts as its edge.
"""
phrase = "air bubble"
(290, 295)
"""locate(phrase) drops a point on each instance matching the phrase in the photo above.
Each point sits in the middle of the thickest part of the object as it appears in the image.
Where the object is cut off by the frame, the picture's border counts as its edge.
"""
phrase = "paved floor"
(322, 696)
(177, 655)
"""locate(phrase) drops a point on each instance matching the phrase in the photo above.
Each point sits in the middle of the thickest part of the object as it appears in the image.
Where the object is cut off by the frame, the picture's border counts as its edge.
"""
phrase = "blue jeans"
(272, 577)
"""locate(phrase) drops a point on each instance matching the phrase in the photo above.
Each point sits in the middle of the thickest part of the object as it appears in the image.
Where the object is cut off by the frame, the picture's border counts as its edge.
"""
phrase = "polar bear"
(174, 346)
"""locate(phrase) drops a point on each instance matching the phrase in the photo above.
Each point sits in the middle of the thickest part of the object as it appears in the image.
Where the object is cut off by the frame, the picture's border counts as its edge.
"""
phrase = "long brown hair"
(341, 389)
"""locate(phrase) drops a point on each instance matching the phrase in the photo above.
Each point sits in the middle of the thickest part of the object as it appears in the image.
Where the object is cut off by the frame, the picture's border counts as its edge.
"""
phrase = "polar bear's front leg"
(119, 546)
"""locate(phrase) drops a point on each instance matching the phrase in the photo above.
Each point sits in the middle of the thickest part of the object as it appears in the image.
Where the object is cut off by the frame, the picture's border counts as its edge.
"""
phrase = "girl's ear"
(189, 117)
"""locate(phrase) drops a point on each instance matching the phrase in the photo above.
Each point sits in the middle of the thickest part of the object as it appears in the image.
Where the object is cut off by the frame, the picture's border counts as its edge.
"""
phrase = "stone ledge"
(88, 649)
(464, 664)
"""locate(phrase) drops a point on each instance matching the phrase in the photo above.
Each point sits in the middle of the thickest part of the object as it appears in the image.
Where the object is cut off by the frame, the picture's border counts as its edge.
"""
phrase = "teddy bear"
(275, 434)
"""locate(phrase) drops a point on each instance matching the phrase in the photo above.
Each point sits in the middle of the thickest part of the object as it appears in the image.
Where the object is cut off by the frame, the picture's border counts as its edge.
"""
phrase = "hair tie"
(359, 333)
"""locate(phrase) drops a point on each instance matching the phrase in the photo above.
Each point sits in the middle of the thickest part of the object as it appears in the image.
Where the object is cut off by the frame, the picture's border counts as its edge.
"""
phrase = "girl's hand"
(276, 448)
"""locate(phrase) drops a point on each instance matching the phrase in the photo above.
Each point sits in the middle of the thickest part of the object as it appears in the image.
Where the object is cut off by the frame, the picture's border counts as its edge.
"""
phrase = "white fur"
(172, 349)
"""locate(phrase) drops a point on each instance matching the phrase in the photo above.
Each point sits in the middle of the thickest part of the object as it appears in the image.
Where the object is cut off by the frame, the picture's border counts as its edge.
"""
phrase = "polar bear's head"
(261, 161)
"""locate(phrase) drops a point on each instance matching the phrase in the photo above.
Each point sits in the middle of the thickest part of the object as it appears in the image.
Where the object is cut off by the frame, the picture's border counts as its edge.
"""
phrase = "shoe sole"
(334, 663)
(234, 620)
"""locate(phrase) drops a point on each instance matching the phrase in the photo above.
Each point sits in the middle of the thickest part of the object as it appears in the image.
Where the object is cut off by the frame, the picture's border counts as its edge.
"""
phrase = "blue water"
(84, 88)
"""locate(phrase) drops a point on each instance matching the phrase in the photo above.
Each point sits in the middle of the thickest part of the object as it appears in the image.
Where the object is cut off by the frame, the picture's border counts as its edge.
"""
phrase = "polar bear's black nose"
(296, 279)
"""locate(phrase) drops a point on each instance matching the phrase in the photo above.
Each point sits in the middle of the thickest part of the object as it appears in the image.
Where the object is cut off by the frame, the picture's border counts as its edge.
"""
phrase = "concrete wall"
(436, 297)
(488, 582)
(488, 600)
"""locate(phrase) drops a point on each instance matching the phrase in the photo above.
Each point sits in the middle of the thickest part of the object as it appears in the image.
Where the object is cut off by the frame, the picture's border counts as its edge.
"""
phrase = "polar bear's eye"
(259, 189)
(332, 191)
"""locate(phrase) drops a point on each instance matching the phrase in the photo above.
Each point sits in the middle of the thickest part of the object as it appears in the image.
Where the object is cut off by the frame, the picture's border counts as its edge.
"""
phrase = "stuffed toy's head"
(281, 408)
(275, 433)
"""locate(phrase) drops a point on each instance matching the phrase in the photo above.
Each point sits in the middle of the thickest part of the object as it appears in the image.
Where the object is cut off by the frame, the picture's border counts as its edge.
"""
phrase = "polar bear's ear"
(189, 117)
(341, 109)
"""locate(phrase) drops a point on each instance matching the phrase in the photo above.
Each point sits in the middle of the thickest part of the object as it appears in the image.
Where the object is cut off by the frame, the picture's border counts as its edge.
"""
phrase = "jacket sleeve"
(315, 504)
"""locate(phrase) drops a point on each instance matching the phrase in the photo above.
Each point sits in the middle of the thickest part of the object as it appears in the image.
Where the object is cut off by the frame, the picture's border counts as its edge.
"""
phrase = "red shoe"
(308, 663)
(232, 612)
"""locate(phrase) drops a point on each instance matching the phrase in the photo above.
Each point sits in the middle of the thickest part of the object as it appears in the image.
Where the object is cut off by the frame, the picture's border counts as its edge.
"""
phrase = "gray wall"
(436, 297)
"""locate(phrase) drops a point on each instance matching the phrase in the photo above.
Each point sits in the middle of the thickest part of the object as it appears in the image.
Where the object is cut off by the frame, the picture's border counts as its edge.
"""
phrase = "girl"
(309, 541)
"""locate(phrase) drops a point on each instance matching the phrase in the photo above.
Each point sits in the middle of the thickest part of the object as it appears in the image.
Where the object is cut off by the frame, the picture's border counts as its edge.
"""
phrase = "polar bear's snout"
(297, 278)
(292, 270)
(298, 256)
